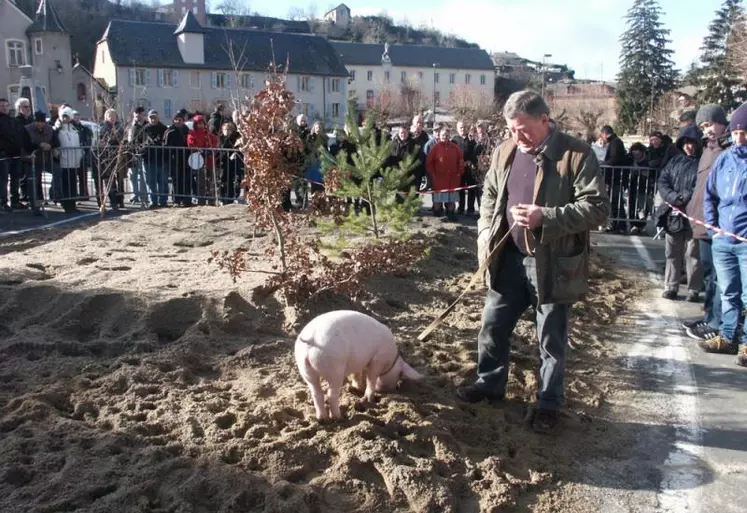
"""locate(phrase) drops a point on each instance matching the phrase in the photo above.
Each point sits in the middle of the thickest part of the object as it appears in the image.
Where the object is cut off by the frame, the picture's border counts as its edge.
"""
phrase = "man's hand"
(529, 216)
(45, 146)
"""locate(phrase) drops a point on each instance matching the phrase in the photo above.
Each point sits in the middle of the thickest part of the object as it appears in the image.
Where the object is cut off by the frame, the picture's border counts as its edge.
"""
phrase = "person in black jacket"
(420, 139)
(676, 186)
(175, 141)
(217, 118)
(232, 163)
(470, 164)
(156, 171)
(24, 116)
(402, 146)
(615, 177)
(11, 149)
(85, 136)
(660, 150)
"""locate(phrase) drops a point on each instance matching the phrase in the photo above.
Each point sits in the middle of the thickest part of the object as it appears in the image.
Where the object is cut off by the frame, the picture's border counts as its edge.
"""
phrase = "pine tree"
(385, 209)
(646, 70)
(719, 78)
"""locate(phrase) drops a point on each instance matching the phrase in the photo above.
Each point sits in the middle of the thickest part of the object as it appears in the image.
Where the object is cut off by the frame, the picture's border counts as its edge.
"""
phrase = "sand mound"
(135, 377)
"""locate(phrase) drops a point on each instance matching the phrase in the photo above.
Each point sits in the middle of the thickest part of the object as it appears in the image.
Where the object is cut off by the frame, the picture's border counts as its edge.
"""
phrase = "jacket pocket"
(570, 280)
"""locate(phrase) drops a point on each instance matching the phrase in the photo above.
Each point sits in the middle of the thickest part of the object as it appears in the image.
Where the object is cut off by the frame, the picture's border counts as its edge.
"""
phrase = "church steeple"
(46, 19)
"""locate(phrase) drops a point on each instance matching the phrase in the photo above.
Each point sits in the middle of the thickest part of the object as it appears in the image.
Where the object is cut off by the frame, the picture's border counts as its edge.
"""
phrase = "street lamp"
(544, 61)
(434, 93)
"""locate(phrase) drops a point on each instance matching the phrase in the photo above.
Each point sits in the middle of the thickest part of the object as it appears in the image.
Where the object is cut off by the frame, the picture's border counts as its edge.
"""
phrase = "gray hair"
(109, 113)
(20, 102)
(525, 103)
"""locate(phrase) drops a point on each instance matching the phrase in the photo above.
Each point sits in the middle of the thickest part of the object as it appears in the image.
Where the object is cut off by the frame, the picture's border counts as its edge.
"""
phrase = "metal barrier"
(632, 192)
(153, 177)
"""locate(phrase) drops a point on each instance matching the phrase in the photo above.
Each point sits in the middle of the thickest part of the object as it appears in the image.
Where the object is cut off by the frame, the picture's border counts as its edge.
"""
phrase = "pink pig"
(343, 342)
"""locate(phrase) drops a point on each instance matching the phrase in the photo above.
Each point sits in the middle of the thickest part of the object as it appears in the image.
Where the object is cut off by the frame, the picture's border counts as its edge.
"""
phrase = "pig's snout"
(400, 371)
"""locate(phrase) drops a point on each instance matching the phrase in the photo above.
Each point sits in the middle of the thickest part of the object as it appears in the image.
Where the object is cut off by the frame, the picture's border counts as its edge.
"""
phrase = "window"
(467, 78)
(167, 109)
(370, 75)
(80, 89)
(452, 78)
(352, 75)
(437, 98)
(169, 78)
(403, 77)
(221, 80)
(305, 84)
(335, 85)
(435, 77)
(482, 79)
(38, 47)
(195, 105)
(420, 75)
(335, 110)
(140, 77)
(16, 53)
(194, 79)
(386, 77)
(369, 98)
(246, 81)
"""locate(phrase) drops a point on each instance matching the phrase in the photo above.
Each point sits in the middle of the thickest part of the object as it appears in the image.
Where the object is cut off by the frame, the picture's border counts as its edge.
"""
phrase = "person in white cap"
(64, 186)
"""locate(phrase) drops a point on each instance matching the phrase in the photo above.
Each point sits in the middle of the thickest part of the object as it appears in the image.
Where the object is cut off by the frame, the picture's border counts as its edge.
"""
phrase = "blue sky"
(581, 33)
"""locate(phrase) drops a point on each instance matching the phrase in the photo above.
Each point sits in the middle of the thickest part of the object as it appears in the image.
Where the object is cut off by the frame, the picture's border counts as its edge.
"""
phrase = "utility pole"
(544, 65)
(434, 93)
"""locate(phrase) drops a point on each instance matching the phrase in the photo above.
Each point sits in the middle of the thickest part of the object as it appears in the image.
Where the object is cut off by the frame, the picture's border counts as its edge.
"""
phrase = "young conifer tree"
(361, 170)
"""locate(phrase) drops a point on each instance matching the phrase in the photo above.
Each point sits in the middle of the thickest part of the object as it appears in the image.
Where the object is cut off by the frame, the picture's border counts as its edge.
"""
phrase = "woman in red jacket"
(445, 165)
(202, 139)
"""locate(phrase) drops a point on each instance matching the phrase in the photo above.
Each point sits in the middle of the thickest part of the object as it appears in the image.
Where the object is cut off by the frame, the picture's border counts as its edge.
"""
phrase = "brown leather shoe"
(718, 344)
(742, 355)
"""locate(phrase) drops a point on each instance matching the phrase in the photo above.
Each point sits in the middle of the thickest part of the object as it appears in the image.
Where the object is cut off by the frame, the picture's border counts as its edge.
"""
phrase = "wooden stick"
(475, 277)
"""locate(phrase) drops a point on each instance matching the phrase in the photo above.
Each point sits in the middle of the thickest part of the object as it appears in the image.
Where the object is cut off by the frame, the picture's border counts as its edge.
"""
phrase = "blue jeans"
(512, 291)
(730, 261)
(158, 183)
(137, 179)
(712, 299)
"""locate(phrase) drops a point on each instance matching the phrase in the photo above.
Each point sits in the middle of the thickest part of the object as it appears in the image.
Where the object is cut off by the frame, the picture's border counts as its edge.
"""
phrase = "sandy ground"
(135, 377)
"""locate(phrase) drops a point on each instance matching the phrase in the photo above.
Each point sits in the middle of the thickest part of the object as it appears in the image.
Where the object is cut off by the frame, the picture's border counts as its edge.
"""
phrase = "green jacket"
(570, 188)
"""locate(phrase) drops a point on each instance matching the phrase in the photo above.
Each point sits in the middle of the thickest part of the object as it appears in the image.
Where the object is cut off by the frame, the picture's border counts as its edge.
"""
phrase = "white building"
(166, 67)
(435, 72)
(340, 16)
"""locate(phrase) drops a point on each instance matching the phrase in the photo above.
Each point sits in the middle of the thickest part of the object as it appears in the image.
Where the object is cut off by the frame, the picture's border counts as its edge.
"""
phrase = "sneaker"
(543, 420)
(669, 294)
(475, 394)
(742, 356)
(701, 332)
(635, 230)
(691, 324)
(693, 297)
(718, 344)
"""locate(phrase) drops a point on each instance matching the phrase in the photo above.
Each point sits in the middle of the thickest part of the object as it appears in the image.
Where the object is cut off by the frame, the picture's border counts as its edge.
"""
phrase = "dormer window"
(38, 46)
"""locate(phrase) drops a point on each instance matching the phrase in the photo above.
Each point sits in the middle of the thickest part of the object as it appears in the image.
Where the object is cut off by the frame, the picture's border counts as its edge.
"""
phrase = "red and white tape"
(704, 224)
(450, 190)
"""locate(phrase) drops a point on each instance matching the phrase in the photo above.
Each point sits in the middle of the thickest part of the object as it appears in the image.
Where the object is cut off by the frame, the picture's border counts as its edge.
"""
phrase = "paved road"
(702, 396)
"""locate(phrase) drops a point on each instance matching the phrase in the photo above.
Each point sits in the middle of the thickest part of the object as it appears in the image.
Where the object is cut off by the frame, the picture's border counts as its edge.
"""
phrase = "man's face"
(153, 120)
(403, 133)
(40, 125)
(443, 135)
(637, 155)
(690, 147)
(25, 110)
(712, 131)
(740, 137)
(605, 136)
(417, 124)
(461, 129)
(655, 141)
(4, 107)
(178, 122)
(528, 132)
(437, 134)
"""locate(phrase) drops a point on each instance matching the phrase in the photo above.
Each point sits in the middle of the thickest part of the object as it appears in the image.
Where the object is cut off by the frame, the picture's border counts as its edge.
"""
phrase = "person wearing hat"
(676, 185)
(175, 141)
(711, 120)
(725, 207)
(64, 183)
(156, 170)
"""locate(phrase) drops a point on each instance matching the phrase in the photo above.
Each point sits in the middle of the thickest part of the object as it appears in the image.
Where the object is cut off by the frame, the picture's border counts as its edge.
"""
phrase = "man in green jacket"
(548, 186)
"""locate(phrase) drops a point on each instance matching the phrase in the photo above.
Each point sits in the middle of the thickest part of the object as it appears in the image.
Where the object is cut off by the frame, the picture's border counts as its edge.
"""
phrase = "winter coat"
(677, 183)
(135, 136)
(111, 135)
(153, 143)
(203, 139)
(695, 206)
(615, 154)
(11, 137)
(216, 122)
(570, 189)
(232, 159)
(430, 144)
(175, 139)
(420, 141)
(445, 165)
(725, 203)
(659, 157)
(34, 139)
(71, 153)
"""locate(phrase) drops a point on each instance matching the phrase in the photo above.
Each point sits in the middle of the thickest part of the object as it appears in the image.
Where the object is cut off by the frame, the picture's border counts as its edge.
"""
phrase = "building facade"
(37, 61)
(433, 73)
(340, 16)
(165, 67)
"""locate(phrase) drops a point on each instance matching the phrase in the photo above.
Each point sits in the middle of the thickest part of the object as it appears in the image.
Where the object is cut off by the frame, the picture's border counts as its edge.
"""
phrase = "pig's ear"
(410, 373)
